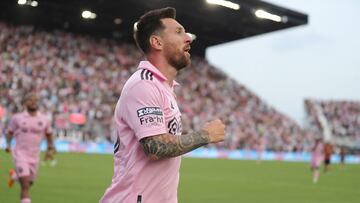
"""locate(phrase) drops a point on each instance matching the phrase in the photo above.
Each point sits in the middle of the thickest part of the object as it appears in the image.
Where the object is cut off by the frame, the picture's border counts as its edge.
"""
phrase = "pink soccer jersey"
(28, 132)
(147, 107)
(317, 156)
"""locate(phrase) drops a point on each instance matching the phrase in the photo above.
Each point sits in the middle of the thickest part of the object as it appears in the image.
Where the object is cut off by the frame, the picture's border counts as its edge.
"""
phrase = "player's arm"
(9, 136)
(10, 133)
(50, 144)
(49, 140)
(167, 145)
(163, 145)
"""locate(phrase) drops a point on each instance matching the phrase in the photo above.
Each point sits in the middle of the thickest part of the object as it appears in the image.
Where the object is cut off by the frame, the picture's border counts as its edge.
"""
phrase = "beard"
(177, 59)
(32, 108)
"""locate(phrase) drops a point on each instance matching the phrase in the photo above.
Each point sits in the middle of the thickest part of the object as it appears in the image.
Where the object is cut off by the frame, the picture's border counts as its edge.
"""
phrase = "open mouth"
(187, 49)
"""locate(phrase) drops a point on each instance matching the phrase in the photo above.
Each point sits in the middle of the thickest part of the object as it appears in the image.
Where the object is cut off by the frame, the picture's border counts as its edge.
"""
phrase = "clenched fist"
(215, 130)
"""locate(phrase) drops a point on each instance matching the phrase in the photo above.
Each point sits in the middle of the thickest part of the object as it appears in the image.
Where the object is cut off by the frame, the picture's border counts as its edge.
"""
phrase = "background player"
(328, 150)
(316, 159)
(28, 128)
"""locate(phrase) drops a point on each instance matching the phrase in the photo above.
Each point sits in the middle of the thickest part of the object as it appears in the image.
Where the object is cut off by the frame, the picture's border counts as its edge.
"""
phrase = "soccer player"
(260, 147)
(28, 129)
(328, 150)
(150, 142)
(342, 155)
(316, 159)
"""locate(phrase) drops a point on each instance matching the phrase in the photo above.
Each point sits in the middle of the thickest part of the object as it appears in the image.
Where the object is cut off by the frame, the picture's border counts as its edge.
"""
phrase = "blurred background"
(280, 74)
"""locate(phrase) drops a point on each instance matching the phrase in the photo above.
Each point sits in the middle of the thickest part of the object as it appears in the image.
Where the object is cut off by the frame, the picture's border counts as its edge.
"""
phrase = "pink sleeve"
(13, 124)
(144, 110)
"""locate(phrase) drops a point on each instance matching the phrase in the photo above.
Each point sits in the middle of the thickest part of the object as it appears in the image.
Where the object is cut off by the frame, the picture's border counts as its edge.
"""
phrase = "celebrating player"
(149, 134)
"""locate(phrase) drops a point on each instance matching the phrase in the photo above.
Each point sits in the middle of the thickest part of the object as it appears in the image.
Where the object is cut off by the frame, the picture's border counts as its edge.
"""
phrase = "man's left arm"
(50, 152)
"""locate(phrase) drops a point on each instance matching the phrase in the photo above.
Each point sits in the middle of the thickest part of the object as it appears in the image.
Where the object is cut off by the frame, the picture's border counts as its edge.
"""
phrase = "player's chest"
(172, 115)
(171, 108)
(32, 125)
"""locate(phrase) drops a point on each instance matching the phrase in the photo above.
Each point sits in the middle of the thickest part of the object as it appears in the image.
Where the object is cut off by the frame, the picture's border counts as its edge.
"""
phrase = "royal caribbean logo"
(149, 111)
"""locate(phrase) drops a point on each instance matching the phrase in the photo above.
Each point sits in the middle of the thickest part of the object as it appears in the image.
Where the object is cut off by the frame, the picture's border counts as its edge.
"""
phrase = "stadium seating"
(83, 75)
(341, 118)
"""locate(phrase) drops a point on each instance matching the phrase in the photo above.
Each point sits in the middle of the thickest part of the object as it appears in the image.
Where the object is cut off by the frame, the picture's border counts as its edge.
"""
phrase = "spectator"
(70, 78)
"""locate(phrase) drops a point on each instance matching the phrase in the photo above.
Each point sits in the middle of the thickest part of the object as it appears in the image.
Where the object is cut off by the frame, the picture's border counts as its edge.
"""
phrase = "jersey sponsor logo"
(31, 130)
(149, 111)
(152, 120)
(35, 130)
(150, 116)
(175, 126)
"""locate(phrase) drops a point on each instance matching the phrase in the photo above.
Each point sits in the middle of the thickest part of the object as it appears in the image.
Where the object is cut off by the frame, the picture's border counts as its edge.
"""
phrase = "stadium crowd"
(342, 117)
(80, 74)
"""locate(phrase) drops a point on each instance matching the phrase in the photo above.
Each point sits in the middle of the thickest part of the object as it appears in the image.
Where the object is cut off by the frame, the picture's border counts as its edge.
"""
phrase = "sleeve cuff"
(141, 135)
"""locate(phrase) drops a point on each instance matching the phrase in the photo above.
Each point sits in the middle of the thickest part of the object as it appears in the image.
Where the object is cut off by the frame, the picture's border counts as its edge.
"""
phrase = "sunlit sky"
(319, 60)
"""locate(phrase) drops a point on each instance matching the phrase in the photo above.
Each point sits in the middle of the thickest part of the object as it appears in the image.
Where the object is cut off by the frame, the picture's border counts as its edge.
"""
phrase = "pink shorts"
(24, 169)
(315, 164)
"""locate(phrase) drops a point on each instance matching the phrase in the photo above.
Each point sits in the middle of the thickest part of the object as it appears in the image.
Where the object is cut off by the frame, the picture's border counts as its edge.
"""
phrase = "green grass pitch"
(82, 178)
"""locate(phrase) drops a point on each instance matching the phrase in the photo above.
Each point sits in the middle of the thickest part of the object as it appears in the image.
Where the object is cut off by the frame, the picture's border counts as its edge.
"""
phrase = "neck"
(164, 67)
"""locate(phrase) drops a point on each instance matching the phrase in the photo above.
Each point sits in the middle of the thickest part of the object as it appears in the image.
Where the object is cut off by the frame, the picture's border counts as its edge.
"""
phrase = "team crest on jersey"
(40, 123)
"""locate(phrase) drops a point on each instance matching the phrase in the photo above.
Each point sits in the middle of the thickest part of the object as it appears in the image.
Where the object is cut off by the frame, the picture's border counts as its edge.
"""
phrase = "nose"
(188, 38)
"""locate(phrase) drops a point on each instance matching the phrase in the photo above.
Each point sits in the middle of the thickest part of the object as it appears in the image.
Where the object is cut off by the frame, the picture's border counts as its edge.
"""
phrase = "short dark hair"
(150, 23)
(28, 96)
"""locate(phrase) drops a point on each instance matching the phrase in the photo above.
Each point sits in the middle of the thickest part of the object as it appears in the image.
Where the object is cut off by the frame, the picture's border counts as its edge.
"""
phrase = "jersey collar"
(148, 66)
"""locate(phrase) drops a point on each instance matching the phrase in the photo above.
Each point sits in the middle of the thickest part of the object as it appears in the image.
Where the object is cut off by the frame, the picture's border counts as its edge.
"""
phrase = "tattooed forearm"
(165, 146)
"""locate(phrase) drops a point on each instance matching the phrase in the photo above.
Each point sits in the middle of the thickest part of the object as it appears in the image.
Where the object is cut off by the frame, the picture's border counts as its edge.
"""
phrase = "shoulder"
(16, 116)
(143, 76)
(142, 81)
(43, 116)
(15, 119)
(146, 75)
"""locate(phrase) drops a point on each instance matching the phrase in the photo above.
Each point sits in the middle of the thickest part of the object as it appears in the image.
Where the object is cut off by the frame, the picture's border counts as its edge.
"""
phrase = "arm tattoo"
(166, 145)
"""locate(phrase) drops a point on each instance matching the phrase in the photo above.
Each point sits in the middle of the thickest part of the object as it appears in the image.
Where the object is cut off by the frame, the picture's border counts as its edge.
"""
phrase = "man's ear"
(156, 42)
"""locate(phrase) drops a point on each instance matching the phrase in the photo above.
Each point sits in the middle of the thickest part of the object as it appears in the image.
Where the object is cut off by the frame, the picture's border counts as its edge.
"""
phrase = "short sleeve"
(144, 111)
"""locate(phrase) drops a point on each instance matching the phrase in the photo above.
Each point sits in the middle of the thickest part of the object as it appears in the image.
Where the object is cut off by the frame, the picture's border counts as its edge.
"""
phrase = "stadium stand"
(83, 75)
(341, 119)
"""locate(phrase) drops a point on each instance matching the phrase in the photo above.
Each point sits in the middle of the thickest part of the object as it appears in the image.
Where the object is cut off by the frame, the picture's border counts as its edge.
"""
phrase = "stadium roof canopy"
(212, 24)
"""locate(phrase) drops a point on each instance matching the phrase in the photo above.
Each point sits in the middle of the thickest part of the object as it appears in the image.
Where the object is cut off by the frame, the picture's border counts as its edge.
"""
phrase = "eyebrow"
(180, 28)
